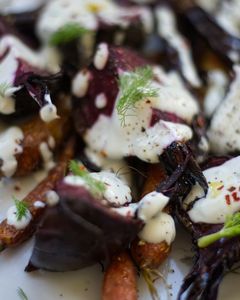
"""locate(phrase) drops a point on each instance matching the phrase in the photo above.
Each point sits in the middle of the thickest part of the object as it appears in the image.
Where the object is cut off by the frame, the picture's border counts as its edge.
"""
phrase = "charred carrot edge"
(9, 235)
(120, 280)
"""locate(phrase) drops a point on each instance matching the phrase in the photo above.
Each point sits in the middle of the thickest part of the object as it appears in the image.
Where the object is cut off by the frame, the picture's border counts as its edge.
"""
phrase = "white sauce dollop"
(10, 145)
(80, 83)
(13, 221)
(101, 101)
(39, 204)
(136, 137)
(223, 196)
(224, 131)
(47, 156)
(167, 28)
(217, 85)
(158, 229)
(159, 226)
(52, 198)
(101, 56)
(48, 113)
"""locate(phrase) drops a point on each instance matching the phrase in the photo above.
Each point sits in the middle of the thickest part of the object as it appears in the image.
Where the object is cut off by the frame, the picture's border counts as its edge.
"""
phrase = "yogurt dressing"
(223, 196)
(116, 191)
(217, 85)
(19, 6)
(159, 226)
(224, 129)
(167, 28)
(10, 145)
(87, 14)
(137, 138)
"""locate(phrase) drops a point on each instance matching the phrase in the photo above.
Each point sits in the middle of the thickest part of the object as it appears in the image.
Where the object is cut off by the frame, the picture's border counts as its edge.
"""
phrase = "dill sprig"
(21, 209)
(230, 229)
(96, 187)
(67, 33)
(21, 294)
(134, 87)
(4, 86)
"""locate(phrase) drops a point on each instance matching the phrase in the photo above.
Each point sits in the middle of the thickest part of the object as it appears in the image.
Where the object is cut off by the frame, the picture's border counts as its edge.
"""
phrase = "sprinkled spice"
(227, 197)
(232, 188)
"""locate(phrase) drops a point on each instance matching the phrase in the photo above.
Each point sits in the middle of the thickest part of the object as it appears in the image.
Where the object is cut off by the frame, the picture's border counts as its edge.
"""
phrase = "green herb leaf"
(21, 294)
(22, 209)
(4, 86)
(134, 87)
(230, 229)
(96, 187)
(67, 33)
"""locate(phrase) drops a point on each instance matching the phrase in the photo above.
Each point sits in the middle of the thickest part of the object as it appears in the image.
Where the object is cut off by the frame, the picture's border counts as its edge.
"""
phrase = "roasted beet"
(104, 81)
(211, 262)
(80, 232)
(205, 26)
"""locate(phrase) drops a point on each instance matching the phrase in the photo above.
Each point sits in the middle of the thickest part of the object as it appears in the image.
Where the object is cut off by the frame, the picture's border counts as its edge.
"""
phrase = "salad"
(129, 108)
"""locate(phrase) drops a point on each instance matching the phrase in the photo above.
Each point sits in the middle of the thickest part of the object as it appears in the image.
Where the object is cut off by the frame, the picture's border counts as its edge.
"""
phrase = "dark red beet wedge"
(80, 232)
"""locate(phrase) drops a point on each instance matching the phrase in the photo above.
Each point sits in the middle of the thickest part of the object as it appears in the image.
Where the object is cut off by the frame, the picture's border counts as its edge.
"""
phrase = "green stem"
(223, 233)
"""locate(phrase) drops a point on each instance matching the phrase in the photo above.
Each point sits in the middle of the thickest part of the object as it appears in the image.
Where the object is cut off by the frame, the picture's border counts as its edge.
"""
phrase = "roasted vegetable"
(120, 280)
(94, 232)
(9, 235)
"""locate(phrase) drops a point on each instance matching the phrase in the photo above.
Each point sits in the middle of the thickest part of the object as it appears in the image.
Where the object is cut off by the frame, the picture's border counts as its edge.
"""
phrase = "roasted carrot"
(120, 280)
(36, 132)
(9, 235)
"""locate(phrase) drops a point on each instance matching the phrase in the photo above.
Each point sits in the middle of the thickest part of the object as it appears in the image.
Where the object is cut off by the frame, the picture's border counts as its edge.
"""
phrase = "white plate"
(85, 284)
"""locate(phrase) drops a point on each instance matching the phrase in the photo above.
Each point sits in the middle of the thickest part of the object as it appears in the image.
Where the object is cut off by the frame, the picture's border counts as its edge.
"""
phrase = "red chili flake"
(235, 197)
(232, 188)
(220, 188)
(227, 197)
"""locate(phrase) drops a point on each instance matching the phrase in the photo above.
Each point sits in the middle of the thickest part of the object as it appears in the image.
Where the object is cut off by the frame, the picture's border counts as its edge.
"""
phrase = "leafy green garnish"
(22, 209)
(230, 229)
(96, 187)
(4, 86)
(21, 294)
(67, 33)
(134, 87)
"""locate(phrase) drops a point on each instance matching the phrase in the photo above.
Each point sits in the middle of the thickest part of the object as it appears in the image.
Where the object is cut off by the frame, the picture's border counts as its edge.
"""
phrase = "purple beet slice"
(79, 232)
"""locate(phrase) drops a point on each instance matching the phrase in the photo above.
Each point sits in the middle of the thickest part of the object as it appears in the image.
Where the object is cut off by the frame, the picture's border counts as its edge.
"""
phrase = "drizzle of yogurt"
(10, 145)
(101, 56)
(52, 198)
(224, 128)
(223, 196)
(80, 83)
(136, 137)
(167, 29)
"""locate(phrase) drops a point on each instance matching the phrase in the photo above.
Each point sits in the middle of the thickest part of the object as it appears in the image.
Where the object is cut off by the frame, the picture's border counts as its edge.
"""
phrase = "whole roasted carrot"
(9, 235)
(120, 280)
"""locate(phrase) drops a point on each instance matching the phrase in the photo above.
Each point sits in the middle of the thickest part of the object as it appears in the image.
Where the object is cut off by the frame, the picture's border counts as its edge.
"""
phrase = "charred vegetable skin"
(212, 262)
(80, 232)
(204, 26)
